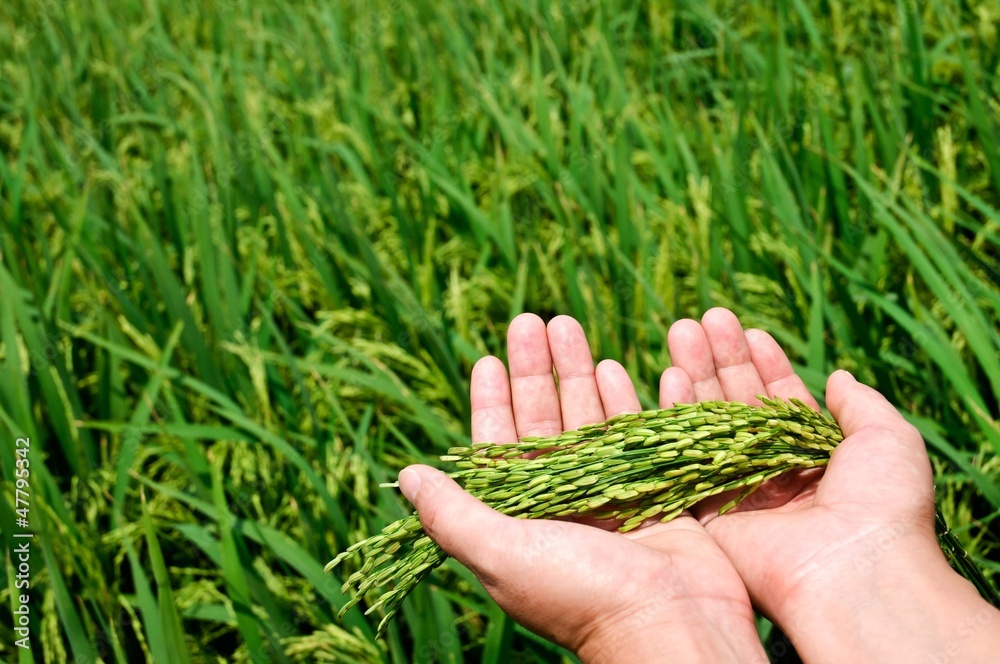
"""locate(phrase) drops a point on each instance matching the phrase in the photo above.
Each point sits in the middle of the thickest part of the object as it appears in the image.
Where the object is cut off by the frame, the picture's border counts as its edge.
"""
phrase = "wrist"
(906, 607)
(689, 632)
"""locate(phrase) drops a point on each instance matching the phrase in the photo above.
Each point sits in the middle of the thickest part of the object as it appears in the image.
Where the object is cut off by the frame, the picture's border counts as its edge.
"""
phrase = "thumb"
(883, 459)
(466, 528)
(856, 406)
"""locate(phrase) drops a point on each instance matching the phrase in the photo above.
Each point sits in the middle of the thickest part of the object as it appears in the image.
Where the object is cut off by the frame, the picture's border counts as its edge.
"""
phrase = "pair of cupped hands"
(844, 559)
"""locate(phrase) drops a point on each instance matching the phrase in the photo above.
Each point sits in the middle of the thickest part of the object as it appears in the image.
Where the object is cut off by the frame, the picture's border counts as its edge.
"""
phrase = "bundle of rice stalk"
(634, 467)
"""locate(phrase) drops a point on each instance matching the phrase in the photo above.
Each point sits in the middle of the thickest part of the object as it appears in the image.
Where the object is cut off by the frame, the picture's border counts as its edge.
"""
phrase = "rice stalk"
(635, 466)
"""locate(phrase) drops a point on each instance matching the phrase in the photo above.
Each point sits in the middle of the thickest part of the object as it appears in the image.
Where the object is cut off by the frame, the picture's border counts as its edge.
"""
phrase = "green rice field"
(249, 253)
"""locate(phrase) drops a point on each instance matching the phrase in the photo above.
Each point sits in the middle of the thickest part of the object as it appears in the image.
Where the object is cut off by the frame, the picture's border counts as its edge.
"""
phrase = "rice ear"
(632, 467)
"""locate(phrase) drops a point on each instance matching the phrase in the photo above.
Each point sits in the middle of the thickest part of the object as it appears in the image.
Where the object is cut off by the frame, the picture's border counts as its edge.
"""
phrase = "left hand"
(664, 591)
(853, 540)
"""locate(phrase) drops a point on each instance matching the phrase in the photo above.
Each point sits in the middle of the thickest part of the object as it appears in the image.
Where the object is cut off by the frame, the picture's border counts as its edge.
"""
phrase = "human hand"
(846, 561)
(662, 592)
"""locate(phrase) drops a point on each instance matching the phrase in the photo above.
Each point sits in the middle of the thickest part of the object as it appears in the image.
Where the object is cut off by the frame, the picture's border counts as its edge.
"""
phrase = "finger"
(857, 407)
(492, 413)
(883, 461)
(532, 386)
(618, 396)
(578, 394)
(776, 372)
(676, 387)
(616, 389)
(734, 368)
(447, 514)
(690, 350)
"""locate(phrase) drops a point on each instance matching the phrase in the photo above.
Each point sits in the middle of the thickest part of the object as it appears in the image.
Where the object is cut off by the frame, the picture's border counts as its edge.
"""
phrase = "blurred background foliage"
(250, 252)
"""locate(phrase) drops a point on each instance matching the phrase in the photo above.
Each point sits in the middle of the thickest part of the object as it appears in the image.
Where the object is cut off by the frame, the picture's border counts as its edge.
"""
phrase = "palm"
(679, 556)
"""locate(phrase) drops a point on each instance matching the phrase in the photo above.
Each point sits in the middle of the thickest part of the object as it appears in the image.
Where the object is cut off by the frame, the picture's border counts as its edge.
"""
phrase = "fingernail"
(409, 483)
(848, 374)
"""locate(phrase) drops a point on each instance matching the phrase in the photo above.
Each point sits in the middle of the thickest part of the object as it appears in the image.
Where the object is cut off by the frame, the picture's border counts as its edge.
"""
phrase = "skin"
(856, 541)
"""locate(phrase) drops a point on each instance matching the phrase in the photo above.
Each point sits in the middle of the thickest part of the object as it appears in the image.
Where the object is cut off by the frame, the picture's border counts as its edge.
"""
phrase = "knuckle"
(541, 426)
